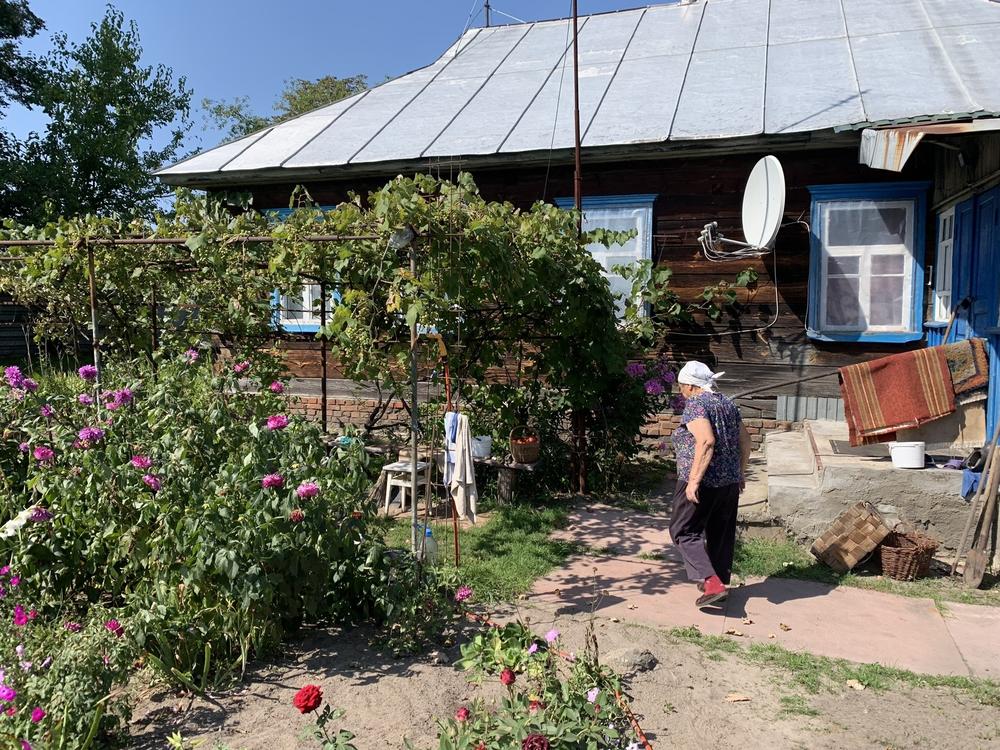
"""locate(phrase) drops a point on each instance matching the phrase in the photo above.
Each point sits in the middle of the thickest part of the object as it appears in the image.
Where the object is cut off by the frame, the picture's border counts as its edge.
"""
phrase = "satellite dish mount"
(763, 210)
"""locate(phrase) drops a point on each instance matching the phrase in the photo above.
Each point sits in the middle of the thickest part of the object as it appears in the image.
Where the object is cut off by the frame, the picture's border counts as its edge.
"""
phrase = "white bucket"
(482, 446)
(908, 455)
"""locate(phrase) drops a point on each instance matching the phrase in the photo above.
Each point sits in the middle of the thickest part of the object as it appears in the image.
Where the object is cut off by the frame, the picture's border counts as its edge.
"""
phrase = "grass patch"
(504, 555)
(786, 559)
(816, 673)
(796, 705)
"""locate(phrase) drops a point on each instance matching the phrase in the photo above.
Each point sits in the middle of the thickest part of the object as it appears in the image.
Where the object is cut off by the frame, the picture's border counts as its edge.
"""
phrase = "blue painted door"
(984, 288)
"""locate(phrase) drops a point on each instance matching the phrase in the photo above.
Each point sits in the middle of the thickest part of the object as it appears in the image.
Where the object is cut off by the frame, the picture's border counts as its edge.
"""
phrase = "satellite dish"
(763, 210)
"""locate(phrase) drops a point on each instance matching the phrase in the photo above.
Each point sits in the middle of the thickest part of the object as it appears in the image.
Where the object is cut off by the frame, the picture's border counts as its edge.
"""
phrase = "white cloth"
(698, 374)
(463, 478)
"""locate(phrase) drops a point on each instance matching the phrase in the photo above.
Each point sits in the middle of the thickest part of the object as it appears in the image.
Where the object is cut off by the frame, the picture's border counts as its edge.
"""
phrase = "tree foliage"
(237, 119)
(111, 122)
(19, 72)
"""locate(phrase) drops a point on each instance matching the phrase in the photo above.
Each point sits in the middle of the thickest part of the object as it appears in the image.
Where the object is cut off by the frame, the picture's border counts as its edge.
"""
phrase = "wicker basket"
(524, 453)
(855, 534)
(906, 555)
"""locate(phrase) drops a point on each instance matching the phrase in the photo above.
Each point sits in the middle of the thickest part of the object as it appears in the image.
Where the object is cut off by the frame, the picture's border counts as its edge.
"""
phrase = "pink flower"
(37, 714)
(90, 435)
(152, 481)
(463, 593)
(85, 398)
(140, 461)
(20, 616)
(73, 627)
(7, 694)
(15, 581)
(277, 422)
(507, 677)
(14, 377)
(241, 367)
(462, 714)
(25, 745)
(272, 481)
(533, 648)
(88, 373)
(24, 447)
(592, 694)
(277, 387)
(46, 411)
(552, 636)
(307, 490)
(30, 385)
(43, 454)
(297, 516)
(191, 356)
(115, 627)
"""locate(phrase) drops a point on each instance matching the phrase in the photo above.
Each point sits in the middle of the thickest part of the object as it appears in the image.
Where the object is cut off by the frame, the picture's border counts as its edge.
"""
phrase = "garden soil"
(684, 701)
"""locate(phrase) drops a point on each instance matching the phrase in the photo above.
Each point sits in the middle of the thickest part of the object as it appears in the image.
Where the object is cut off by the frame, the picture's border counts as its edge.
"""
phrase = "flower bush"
(178, 508)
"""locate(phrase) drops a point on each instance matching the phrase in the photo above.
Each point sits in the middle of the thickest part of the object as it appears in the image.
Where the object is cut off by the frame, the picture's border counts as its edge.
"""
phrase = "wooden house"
(884, 116)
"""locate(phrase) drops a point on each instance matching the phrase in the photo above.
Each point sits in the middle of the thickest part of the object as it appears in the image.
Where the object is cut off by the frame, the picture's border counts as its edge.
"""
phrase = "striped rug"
(895, 393)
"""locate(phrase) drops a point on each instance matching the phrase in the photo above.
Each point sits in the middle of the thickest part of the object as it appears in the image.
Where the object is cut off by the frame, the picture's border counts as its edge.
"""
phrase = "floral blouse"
(725, 418)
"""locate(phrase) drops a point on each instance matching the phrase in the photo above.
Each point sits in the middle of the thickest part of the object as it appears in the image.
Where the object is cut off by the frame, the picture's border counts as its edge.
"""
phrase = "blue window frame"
(618, 213)
(297, 313)
(866, 265)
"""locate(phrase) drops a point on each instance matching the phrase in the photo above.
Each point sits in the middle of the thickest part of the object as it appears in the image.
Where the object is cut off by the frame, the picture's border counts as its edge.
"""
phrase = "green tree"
(19, 72)
(298, 97)
(112, 122)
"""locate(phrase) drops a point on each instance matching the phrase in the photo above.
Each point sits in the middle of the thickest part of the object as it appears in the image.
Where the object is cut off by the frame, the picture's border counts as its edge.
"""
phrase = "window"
(298, 310)
(866, 274)
(943, 271)
(620, 213)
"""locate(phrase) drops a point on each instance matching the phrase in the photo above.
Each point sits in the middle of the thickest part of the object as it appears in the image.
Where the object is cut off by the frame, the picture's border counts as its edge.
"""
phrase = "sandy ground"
(681, 702)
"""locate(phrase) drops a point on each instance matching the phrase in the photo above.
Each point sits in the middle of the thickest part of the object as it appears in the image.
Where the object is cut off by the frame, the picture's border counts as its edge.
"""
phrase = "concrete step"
(790, 460)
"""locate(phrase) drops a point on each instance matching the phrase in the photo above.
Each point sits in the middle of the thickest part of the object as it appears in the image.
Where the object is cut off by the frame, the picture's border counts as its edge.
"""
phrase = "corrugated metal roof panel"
(700, 70)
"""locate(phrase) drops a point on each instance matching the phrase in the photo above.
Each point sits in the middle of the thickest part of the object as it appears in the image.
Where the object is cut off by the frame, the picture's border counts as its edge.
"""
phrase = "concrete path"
(623, 580)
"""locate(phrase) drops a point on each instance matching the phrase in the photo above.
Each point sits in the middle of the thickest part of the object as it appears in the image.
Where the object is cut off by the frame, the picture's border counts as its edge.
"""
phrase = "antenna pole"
(578, 173)
(486, 7)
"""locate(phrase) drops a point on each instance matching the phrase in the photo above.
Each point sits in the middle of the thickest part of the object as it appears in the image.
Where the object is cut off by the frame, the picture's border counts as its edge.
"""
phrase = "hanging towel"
(896, 392)
(463, 479)
(970, 483)
(450, 434)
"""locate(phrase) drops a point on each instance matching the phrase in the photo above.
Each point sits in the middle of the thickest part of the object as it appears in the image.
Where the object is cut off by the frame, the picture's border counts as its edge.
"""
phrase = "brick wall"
(355, 411)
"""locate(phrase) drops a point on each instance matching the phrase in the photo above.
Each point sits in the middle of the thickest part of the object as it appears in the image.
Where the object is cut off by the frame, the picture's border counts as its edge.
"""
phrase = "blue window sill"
(904, 337)
(298, 327)
(935, 324)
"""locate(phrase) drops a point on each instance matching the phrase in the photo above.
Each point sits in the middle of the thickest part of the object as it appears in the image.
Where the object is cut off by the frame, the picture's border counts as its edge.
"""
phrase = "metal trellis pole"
(92, 282)
(414, 421)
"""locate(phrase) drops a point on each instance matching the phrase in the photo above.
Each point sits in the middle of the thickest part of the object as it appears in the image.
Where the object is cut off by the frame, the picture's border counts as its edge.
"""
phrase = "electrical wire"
(555, 120)
(508, 15)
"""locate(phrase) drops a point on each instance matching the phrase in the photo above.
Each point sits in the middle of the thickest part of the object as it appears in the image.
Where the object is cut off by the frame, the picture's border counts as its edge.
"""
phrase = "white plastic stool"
(397, 475)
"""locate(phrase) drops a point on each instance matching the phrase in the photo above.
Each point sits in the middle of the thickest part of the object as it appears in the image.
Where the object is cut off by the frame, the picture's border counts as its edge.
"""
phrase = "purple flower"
(90, 435)
(272, 481)
(7, 694)
(47, 411)
(307, 490)
(191, 356)
(152, 481)
(30, 385)
(241, 367)
(14, 377)
(277, 387)
(635, 369)
(88, 373)
(592, 694)
(277, 422)
(73, 627)
(85, 398)
(37, 714)
(654, 387)
(140, 461)
(115, 627)
(123, 396)
(40, 515)
(15, 581)
(552, 636)
(20, 616)
(463, 593)
(669, 377)
(533, 648)
(677, 403)
(43, 454)
(24, 447)
(25, 745)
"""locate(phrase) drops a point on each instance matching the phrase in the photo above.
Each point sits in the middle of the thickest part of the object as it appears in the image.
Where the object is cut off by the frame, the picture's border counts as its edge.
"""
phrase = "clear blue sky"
(229, 48)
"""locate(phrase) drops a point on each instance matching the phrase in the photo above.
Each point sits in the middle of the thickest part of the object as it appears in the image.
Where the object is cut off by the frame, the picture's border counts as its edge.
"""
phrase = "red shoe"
(714, 591)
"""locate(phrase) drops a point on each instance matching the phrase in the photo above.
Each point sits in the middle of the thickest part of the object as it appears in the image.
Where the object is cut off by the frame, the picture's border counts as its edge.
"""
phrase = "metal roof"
(709, 69)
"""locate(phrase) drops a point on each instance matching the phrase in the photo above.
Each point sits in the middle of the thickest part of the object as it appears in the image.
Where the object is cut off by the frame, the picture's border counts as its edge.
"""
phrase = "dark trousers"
(705, 532)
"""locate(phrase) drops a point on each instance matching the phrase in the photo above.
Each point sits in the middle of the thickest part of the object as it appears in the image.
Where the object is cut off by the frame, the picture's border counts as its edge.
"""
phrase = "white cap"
(697, 374)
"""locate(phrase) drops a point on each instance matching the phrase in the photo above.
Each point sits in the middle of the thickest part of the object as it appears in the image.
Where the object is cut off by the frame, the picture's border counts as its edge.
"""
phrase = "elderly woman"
(712, 448)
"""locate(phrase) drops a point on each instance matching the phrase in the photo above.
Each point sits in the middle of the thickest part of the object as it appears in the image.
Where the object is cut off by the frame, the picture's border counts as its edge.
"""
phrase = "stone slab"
(617, 531)
(847, 623)
(976, 632)
(651, 592)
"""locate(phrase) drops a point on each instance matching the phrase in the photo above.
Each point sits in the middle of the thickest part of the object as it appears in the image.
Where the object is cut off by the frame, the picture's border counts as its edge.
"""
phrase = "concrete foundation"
(809, 485)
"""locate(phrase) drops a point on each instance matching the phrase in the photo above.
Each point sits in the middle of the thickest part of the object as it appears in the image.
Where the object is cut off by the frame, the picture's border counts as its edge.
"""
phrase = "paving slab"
(847, 623)
(651, 592)
(976, 632)
(617, 531)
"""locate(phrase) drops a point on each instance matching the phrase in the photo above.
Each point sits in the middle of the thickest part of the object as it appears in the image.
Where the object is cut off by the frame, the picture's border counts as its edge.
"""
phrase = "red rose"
(481, 746)
(535, 742)
(308, 698)
(462, 714)
(535, 706)
(507, 676)
(297, 516)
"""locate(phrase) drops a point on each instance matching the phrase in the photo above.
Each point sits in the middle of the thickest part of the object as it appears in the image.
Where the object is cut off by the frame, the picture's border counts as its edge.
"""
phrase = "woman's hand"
(691, 492)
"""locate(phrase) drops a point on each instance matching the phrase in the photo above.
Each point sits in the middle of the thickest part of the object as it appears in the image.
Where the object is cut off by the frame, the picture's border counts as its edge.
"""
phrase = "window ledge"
(902, 337)
(935, 324)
